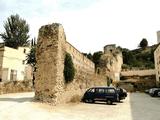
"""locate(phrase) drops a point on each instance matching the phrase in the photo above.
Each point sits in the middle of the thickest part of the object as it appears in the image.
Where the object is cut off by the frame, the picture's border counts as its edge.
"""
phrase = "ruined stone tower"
(111, 62)
(49, 80)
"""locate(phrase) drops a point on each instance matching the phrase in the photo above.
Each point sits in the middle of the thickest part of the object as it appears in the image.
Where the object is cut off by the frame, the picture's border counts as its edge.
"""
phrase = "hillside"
(142, 58)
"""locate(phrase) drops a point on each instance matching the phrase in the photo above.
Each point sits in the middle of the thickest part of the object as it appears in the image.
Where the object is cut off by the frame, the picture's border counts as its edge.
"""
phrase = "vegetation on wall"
(69, 70)
(16, 32)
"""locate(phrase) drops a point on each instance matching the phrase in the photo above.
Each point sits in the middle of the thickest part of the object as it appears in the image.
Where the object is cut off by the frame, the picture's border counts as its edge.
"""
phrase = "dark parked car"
(154, 92)
(106, 94)
(122, 93)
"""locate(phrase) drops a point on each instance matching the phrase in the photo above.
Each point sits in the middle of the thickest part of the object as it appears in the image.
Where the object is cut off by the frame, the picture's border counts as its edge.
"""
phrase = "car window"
(111, 91)
(99, 90)
(91, 90)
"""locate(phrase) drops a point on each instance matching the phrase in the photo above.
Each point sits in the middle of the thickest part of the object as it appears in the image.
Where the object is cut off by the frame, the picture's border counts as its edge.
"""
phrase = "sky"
(91, 24)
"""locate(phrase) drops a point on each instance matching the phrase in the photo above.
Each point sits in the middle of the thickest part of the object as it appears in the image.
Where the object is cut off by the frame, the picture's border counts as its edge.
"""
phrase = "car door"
(99, 94)
(111, 93)
(90, 93)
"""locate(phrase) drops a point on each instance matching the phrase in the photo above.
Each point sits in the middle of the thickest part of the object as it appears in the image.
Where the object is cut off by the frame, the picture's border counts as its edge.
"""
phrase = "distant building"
(13, 64)
(157, 64)
(158, 36)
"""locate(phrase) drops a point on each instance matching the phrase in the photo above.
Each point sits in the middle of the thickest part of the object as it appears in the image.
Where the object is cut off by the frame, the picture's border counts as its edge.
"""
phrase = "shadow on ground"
(100, 103)
(24, 99)
(144, 107)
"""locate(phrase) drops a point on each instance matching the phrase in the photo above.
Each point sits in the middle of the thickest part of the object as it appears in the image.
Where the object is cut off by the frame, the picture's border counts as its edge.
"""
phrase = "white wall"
(13, 59)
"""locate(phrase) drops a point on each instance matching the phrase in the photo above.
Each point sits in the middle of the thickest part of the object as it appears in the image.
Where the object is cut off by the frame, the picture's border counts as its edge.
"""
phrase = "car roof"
(106, 87)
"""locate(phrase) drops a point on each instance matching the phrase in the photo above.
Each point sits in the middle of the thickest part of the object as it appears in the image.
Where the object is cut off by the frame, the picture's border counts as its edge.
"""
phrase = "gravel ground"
(137, 106)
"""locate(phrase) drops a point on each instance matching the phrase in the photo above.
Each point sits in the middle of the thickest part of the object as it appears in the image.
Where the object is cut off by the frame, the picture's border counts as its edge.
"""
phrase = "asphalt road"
(137, 106)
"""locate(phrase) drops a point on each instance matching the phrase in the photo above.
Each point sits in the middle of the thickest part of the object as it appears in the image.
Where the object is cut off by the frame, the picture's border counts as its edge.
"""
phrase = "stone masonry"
(49, 80)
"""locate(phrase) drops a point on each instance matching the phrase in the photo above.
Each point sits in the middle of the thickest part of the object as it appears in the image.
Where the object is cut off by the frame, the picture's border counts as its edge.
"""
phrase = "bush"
(69, 70)
(75, 99)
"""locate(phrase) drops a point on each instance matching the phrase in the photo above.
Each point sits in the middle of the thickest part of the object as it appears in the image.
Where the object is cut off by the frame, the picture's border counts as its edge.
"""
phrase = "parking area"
(137, 106)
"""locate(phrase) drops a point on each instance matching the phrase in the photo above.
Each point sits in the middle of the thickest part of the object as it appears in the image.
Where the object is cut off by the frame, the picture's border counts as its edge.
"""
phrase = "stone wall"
(138, 80)
(16, 86)
(133, 85)
(139, 72)
(49, 80)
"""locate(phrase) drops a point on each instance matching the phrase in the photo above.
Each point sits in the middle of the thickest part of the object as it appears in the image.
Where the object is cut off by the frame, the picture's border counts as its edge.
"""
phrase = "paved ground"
(137, 106)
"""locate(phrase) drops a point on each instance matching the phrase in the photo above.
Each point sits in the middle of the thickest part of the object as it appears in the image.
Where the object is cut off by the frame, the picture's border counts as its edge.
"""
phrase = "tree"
(96, 58)
(89, 56)
(69, 70)
(33, 42)
(31, 59)
(143, 43)
(16, 32)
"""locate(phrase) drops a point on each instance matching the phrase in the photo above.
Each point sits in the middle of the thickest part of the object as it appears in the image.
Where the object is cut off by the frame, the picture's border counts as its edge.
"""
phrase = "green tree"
(89, 56)
(16, 32)
(143, 43)
(31, 59)
(69, 70)
(128, 57)
(96, 58)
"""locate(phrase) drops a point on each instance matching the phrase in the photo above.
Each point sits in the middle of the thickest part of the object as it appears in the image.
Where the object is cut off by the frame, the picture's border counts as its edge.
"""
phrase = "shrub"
(69, 70)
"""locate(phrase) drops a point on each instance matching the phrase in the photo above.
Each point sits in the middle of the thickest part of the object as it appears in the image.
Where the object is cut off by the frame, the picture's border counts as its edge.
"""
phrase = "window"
(91, 90)
(100, 90)
(111, 91)
(13, 75)
(23, 62)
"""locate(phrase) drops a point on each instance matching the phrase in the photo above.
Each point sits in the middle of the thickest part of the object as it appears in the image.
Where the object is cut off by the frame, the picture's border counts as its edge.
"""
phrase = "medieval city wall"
(50, 85)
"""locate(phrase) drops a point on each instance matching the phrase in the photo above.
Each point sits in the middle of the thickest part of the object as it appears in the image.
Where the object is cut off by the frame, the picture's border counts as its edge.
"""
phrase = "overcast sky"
(91, 24)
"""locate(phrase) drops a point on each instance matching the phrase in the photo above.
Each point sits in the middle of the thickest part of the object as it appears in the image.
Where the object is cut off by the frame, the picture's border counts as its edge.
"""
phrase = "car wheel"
(118, 99)
(158, 94)
(91, 101)
(85, 100)
(109, 102)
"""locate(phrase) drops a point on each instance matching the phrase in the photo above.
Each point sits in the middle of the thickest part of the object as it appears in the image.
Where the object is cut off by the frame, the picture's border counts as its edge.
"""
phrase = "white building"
(158, 36)
(13, 64)
(157, 64)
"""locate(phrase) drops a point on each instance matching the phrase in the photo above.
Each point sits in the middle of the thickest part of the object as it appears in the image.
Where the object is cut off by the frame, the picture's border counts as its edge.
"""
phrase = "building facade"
(157, 64)
(13, 64)
(158, 36)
